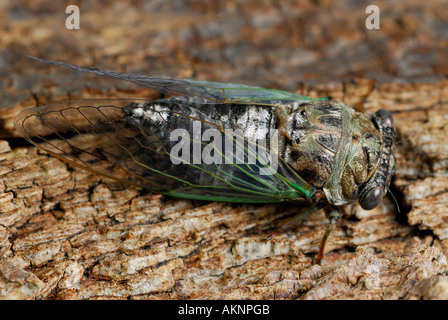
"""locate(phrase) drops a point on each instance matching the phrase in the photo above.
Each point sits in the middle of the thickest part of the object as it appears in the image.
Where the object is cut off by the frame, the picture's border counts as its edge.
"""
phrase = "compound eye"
(386, 116)
(372, 199)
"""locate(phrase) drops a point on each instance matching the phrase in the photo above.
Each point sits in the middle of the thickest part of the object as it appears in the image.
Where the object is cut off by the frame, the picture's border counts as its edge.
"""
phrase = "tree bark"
(69, 234)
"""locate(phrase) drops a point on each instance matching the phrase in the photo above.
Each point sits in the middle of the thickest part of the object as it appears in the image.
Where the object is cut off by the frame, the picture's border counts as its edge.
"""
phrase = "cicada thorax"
(340, 151)
(312, 133)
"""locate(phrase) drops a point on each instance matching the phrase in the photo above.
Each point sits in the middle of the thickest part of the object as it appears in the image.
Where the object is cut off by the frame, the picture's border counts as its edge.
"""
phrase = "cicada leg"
(295, 219)
(156, 196)
(333, 215)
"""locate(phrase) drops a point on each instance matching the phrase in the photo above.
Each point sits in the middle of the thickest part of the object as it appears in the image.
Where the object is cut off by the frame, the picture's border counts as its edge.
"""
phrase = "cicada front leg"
(157, 196)
(287, 223)
(332, 213)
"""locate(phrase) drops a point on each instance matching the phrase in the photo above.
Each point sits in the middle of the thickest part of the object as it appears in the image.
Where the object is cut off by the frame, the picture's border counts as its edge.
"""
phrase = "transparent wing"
(195, 90)
(153, 146)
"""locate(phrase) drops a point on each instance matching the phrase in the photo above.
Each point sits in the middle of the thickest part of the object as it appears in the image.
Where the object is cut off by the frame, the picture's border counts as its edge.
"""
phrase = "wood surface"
(69, 234)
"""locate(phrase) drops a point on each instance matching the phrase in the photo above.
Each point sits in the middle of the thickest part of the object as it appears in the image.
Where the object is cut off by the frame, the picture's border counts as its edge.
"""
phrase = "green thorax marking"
(333, 188)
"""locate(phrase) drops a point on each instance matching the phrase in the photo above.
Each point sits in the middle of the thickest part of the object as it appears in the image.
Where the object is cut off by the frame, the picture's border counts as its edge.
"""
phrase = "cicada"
(224, 142)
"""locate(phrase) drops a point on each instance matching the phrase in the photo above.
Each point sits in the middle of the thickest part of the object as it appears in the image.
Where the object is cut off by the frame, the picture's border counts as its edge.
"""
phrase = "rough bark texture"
(69, 234)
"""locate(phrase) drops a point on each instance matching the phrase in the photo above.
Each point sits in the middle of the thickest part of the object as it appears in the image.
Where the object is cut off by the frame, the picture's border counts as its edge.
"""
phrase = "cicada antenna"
(395, 200)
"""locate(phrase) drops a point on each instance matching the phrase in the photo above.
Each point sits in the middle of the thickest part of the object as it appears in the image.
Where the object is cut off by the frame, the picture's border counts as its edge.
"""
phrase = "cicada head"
(375, 189)
(371, 162)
